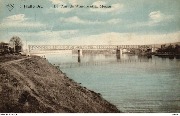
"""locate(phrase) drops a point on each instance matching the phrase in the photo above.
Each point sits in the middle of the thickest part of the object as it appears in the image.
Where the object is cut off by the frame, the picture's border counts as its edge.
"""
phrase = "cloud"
(155, 18)
(48, 34)
(73, 19)
(42, 37)
(114, 7)
(19, 21)
(113, 38)
(16, 18)
(77, 20)
(75, 38)
(114, 21)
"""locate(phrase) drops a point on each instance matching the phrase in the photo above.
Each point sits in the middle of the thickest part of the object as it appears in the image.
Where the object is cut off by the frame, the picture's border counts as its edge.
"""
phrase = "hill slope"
(34, 85)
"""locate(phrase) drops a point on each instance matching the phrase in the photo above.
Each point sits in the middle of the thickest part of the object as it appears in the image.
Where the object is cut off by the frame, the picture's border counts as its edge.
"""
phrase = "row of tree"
(14, 46)
(170, 49)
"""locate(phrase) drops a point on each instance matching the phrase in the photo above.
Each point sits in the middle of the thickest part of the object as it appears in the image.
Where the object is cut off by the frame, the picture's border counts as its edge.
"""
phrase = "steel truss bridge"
(85, 47)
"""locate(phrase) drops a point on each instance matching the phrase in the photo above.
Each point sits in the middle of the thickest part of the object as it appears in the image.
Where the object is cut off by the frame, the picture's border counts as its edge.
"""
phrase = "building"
(4, 48)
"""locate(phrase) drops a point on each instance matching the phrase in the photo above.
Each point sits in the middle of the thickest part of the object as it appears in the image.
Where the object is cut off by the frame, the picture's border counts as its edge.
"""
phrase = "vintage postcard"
(89, 56)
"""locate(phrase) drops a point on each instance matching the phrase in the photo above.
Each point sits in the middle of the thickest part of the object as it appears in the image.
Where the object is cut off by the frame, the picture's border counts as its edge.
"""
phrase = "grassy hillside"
(34, 85)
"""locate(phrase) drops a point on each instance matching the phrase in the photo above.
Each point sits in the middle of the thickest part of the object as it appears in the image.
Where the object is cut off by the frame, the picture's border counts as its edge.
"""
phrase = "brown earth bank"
(32, 84)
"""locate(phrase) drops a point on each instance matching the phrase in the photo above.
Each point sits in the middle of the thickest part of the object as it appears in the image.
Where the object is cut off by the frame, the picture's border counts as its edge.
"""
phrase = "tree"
(170, 49)
(177, 49)
(16, 43)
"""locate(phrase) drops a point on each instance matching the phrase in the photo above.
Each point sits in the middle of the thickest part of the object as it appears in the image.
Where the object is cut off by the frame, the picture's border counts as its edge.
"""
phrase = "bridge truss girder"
(85, 47)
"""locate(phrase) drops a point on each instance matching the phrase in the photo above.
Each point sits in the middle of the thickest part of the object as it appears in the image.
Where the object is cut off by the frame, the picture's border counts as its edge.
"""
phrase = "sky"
(127, 22)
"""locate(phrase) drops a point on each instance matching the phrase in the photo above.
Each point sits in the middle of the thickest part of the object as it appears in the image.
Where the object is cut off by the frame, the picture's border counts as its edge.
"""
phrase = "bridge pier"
(80, 52)
(118, 53)
(118, 56)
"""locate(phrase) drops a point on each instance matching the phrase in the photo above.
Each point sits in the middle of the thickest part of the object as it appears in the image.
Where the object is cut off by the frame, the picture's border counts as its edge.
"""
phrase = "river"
(132, 83)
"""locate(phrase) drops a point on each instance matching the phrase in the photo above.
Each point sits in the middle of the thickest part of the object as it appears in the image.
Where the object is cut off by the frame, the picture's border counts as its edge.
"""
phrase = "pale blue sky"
(127, 22)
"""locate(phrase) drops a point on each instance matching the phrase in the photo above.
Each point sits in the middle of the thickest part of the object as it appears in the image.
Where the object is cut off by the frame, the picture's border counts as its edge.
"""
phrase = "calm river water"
(132, 83)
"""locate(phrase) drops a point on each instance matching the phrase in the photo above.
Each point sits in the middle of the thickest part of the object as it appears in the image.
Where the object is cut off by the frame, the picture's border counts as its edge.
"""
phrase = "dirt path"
(13, 61)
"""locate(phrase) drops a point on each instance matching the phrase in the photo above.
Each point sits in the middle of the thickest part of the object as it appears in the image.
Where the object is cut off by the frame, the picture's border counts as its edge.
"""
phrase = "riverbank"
(177, 56)
(32, 84)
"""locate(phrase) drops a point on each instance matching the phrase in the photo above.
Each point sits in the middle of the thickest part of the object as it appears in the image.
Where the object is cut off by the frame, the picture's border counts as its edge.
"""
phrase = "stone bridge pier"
(80, 52)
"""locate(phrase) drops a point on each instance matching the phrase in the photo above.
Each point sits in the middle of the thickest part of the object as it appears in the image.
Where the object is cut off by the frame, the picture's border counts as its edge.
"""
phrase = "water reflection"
(133, 83)
(118, 57)
(79, 59)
